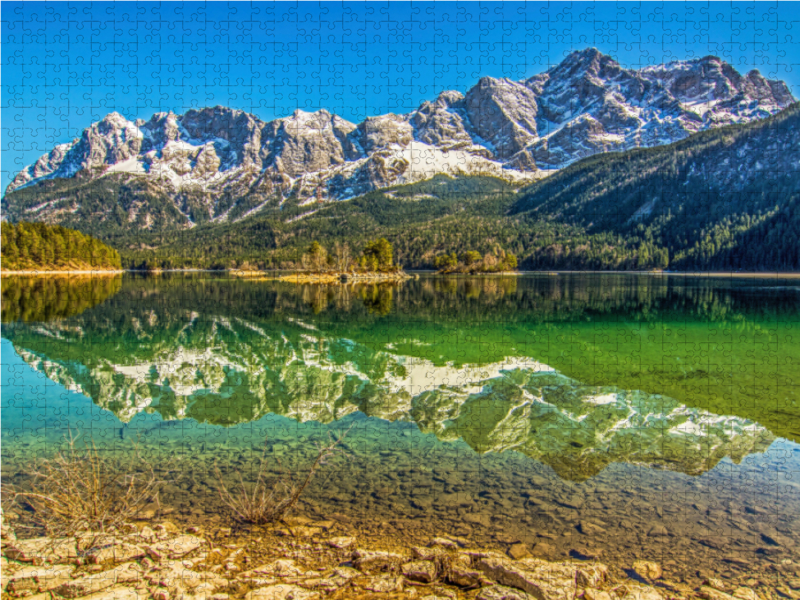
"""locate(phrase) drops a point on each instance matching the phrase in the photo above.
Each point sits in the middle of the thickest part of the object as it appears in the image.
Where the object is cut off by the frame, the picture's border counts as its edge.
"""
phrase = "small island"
(39, 249)
(374, 264)
(495, 262)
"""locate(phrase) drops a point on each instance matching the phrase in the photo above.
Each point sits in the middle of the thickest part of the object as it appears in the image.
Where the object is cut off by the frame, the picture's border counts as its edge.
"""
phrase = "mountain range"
(688, 165)
(219, 164)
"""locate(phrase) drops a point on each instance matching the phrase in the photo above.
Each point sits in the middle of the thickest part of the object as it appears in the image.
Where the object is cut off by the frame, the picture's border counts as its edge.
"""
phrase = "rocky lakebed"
(304, 559)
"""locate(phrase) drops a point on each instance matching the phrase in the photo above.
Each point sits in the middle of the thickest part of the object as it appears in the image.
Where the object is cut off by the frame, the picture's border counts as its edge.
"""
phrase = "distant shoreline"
(288, 273)
(4, 272)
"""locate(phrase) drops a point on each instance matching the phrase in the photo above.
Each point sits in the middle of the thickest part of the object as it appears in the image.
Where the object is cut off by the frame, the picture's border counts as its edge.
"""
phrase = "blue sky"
(66, 65)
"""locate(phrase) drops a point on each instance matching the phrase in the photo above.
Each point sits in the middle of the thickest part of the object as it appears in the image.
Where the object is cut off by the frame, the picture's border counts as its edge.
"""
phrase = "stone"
(116, 554)
(283, 567)
(589, 528)
(519, 550)
(117, 593)
(423, 571)
(542, 579)
(434, 553)
(463, 576)
(593, 594)
(39, 579)
(371, 561)
(658, 530)
(501, 592)
(443, 543)
(326, 525)
(633, 591)
(648, 569)
(125, 573)
(307, 532)
(385, 585)
(174, 548)
(281, 592)
(343, 542)
(717, 584)
(59, 550)
(745, 593)
(592, 576)
(710, 593)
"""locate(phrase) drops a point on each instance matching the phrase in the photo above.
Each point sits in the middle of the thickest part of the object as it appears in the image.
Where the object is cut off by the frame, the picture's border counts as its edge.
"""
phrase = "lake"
(618, 416)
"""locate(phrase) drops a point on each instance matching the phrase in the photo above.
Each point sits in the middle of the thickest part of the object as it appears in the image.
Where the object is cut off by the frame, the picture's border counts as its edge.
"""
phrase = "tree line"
(496, 260)
(377, 256)
(38, 246)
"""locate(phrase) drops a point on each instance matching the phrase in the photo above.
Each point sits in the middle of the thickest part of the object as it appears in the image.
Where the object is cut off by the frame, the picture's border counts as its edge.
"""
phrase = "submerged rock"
(647, 569)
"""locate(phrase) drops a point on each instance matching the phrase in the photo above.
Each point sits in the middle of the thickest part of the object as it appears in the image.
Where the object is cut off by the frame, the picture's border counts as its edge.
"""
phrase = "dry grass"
(269, 499)
(83, 489)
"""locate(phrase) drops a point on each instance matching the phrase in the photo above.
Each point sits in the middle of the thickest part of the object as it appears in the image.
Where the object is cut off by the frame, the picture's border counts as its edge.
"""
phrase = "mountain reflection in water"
(497, 362)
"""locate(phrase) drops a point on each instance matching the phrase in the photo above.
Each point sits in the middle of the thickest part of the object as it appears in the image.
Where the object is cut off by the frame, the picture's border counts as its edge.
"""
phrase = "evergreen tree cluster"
(471, 261)
(376, 256)
(38, 246)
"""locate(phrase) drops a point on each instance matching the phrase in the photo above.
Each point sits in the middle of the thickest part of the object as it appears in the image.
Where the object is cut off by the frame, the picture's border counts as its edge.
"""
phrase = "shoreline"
(308, 559)
(65, 272)
(337, 278)
(275, 275)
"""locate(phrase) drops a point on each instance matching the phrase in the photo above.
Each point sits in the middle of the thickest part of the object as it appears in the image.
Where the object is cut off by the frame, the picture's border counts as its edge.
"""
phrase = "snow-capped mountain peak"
(516, 130)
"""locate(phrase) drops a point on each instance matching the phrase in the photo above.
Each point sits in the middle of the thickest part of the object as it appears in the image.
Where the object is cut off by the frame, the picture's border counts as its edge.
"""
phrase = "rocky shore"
(303, 559)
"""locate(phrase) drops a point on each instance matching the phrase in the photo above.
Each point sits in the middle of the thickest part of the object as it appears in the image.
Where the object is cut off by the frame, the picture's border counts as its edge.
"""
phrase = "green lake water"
(610, 415)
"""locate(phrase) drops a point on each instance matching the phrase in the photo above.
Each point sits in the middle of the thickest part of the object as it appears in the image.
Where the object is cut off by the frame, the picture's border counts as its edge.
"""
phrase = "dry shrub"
(83, 489)
(269, 499)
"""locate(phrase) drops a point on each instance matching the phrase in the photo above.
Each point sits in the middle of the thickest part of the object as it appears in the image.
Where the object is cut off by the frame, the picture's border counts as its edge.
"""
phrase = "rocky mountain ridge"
(228, 164)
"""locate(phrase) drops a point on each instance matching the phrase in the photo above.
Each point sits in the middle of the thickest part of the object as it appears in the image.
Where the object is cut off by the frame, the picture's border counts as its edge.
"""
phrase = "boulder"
(542, 579)
(648, 569)
(423, 571)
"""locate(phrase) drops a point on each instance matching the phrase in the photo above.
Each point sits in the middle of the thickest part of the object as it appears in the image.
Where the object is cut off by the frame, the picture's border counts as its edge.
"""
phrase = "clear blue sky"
(65, 65)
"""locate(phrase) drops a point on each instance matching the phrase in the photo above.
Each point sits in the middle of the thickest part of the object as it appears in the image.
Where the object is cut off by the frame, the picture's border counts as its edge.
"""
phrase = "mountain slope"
(722, 199)
(222, 165)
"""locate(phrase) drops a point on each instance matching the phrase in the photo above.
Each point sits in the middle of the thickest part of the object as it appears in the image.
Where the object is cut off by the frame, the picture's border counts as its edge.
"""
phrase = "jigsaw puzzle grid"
(713, 515)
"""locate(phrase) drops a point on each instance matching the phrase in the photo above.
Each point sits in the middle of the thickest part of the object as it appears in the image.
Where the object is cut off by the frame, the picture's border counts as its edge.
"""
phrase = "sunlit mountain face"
(649, 371)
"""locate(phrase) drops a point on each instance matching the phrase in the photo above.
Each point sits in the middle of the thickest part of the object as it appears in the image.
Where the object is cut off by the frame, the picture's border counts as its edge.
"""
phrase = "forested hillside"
(41, 247)
(722, 199)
